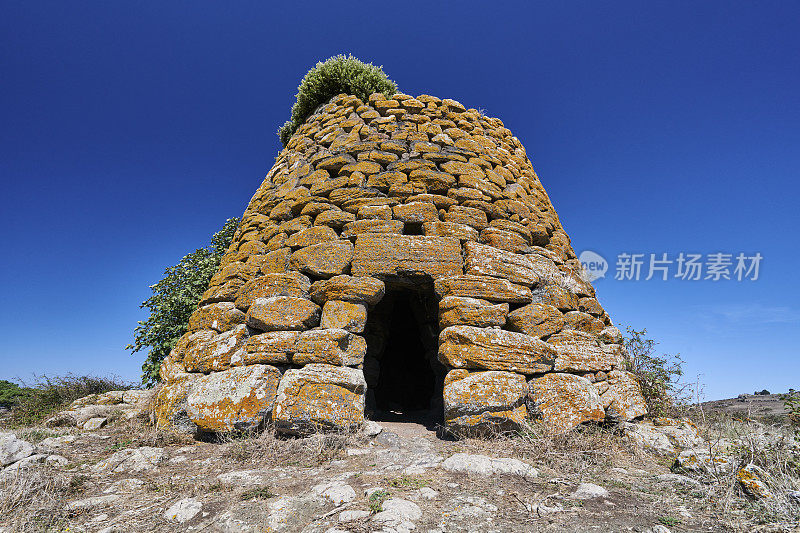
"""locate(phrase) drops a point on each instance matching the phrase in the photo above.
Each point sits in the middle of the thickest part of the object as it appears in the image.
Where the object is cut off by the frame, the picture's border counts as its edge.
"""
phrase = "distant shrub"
(174, 300)
(658, 375)
(11, 393)
(49, 394)
(339, 74)
(791, 402)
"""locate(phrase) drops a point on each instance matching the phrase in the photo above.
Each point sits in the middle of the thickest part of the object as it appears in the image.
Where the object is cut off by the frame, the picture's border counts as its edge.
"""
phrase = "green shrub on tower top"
(339, 74)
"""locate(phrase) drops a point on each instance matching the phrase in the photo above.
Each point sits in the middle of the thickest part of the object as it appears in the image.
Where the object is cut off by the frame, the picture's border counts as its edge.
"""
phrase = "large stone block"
(330, 346)
(365, 290)
(237, 399)
(215, 355)
(169, 404)
(323, 260)
(580, 352)
(529, 270)
(494, 349)
(536, 320)
(220, 316)
(283, 313)
(349, 316)
(583, 322)
(556, 296)
(319, 397)
(484, 402)
(461, 232)
(285, 284)
(406, 255)
(564, 401)
(464, 311)
(483, 287)
(623, 396)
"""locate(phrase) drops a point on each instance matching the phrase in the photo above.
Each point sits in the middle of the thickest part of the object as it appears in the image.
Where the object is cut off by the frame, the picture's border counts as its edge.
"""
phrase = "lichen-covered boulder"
(462, 311)
(240, 398)
(363, 289)
(529, 270)
(317, 397)
(494, 349)
(221, 317)
(344, 315)
(623, 398)
(536, 320)
(216, 354)
(414, 255)
(169, 404)
(479, 403)
(563, 401)
(292, 284)
(483, 287)
(324, 259)
(580, 352)
(282, 313)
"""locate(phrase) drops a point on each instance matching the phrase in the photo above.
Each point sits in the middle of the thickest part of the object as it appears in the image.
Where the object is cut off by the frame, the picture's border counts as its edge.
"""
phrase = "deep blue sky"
(129, 131)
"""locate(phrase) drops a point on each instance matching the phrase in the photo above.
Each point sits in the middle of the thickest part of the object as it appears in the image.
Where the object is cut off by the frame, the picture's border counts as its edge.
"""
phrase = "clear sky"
(129, 131)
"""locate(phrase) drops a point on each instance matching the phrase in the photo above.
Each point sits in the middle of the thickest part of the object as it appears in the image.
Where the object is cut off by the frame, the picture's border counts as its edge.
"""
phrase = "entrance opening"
(402, 371)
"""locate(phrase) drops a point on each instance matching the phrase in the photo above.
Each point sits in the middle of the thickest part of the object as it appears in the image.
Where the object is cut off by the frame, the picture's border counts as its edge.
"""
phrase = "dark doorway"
(401, 368)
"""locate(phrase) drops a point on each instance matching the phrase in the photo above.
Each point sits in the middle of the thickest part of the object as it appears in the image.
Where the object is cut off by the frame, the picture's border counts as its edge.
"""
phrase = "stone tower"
(400, 255)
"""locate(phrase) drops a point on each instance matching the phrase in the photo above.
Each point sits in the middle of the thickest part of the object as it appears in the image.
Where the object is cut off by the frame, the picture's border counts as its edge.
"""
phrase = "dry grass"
(33, 499)
(579, 453)
(272, 450)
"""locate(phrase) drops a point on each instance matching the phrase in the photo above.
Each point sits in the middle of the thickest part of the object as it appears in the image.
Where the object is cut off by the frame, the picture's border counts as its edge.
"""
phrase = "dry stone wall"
(407, 192)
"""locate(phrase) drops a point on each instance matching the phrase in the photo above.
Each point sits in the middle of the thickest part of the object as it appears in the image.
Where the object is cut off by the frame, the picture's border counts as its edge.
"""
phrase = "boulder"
(286, 284)
(237, 399)
(324, 260)
(330, 346)
(624, 396)
(364, 290)
(283, 313)
(564, 401)
(494, 349)
(215, 355)
(349, 316)
(221, 317)
(274, 347)
(460, 310)
(480, 403)
(319, 397)
(132, 460)
(483, 287)
(484, 465)
(580, 352)
(528, 270)
(556, 296)
(461, 232)
(169, 409)
(311, 236)
(406, 255)
(583, 322)
(13, 449)
(536, 320)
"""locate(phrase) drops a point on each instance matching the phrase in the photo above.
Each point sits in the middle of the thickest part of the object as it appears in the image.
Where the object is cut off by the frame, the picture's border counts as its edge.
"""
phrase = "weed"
(257, 493)
(376, 500)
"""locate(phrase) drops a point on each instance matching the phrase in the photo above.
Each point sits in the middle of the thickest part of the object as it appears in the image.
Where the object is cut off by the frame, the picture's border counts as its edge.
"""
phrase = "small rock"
(335, 491)
(369, 491)
(242, 478)
(133, 460)
(183, 510)
(617, 470)
(404, 509)
(427, 493)
(94, 501)
(125, 485)
(488, 466)
(658, 529)
(25, 463)
(794, 495)
(752, 478)
(589, 491)
(371, 428)
(349, 516)
(95, 423)
(13, 449)
(99, 518)
(56, 460)
(57, 442)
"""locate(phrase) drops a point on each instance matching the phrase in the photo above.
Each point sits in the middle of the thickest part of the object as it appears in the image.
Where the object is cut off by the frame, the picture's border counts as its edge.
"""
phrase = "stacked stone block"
(406, 192)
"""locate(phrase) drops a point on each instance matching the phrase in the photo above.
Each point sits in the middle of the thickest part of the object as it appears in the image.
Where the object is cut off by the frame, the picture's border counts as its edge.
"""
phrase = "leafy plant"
(257, 493)
(376, 500)
(791, 402)
(174, 299)
(658, 375)
(338, 74)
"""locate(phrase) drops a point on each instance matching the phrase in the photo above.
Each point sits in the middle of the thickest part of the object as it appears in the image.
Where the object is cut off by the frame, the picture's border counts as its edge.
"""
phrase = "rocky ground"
(750, 406)
(121, 475)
